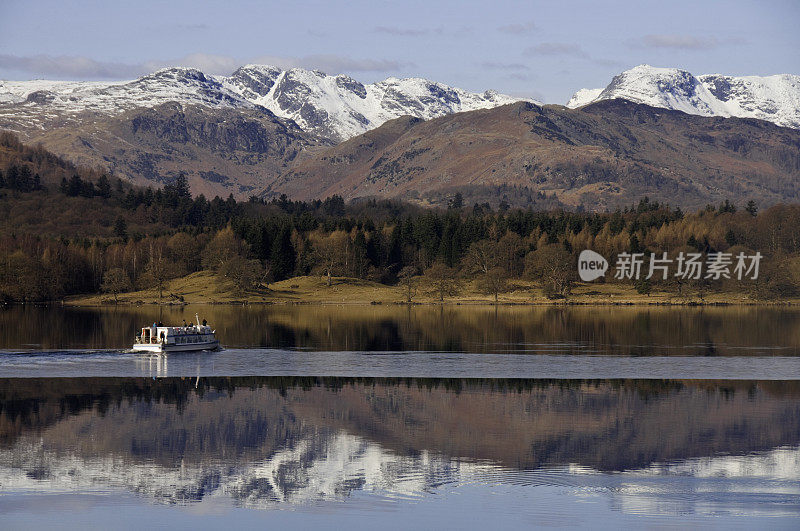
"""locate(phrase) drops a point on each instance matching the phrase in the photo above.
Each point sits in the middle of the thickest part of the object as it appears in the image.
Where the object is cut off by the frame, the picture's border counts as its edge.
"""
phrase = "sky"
(544, 50)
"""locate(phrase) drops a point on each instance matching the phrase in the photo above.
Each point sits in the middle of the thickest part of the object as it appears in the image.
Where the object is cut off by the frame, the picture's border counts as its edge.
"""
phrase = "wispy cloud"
(78, 67)
(407, 32)
(519, 76)
(492, 65)
(568, 50)
(337, 63)
(683, 42)
(194, 27)
(556, 49)
(67, 66)
(517, 29)
(206, 62)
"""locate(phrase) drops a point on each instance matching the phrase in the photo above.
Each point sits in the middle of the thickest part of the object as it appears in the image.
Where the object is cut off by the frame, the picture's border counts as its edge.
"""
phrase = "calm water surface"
(357, 417)
(361, 449)
(609, 330)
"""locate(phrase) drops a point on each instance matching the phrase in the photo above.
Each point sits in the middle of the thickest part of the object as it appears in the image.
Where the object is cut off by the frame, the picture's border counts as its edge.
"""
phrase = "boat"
(187, 338)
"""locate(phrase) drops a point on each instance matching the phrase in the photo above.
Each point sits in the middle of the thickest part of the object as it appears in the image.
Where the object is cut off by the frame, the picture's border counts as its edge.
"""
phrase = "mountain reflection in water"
(651, 446)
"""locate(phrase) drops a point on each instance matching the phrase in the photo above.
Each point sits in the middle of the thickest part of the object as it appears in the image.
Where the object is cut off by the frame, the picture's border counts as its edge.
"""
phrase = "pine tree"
(75, 186)
(103, 187)
(730, 238)
(282, 258)
(120, 228)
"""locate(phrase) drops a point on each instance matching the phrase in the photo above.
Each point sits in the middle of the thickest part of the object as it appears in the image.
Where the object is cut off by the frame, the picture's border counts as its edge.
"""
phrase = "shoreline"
(206, 288)
(80, 304)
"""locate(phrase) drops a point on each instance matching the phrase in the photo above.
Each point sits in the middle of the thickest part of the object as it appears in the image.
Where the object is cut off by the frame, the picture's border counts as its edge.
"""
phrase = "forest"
(66, 231)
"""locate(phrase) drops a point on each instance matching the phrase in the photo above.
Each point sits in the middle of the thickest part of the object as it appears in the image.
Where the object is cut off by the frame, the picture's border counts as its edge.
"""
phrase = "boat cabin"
(176, 335)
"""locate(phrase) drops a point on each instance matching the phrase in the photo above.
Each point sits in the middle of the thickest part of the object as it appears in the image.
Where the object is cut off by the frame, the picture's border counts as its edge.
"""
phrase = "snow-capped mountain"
(336, 107)
(343, 466)
(339, 107)
(772, 98)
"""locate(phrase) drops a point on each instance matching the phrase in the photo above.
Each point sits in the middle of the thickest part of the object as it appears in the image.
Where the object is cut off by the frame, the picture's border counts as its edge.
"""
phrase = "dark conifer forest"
(66, 230)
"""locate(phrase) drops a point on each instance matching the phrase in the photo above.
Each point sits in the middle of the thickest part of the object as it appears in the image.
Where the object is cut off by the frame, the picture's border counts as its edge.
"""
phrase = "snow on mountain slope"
(773, 98)
(337, 107)
(313, 469)
(45, 104)
(583, 97)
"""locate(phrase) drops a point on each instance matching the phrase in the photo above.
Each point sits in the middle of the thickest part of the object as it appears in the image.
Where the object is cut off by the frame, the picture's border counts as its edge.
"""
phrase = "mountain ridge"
(773, 98)
(335, 107)
(604, 155)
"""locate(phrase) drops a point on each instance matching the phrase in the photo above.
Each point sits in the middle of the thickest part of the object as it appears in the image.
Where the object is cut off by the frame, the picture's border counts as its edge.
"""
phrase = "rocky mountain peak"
(772, 98)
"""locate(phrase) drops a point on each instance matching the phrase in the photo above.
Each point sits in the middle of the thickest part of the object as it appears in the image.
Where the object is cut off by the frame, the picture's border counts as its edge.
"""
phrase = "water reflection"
(657, 447)
(711, 331)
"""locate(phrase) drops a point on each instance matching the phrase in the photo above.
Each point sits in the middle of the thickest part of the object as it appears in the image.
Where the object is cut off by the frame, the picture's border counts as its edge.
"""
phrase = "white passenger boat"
(176, 338)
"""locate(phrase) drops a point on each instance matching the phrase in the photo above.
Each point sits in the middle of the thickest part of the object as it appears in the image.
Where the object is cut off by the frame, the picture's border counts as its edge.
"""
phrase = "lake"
(365, 416)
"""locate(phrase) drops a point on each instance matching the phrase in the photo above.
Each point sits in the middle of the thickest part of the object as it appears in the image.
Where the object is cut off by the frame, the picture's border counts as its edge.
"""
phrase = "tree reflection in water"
(707, 331)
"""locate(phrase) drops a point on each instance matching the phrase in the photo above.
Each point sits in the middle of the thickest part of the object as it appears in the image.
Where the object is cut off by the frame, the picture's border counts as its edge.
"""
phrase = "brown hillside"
(221, 151)
(606, 154)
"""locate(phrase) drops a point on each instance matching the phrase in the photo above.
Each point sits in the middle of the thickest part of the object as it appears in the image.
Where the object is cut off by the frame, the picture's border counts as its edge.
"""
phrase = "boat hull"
(191, 347)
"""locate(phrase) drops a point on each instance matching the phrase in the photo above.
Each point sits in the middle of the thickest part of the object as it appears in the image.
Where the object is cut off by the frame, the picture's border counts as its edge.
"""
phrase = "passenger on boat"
(204, 322)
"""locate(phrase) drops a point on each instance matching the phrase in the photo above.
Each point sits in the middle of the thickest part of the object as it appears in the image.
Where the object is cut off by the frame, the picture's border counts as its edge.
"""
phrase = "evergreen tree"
(103, 187)
(282, 257)
(394, 258)
(120, 228)
(12, 177)
(730, 238)
(457, 202)
(75, 186)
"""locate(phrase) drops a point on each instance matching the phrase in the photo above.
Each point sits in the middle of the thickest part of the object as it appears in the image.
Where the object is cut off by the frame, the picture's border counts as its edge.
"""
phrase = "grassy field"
(206, 288)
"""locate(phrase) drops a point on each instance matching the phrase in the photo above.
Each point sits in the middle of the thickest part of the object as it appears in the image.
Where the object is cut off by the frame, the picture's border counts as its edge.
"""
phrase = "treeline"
(137, 237)
(255, 243)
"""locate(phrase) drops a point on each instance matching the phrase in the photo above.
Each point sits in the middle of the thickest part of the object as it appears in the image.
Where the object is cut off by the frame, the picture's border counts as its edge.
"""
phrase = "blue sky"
(545, 50)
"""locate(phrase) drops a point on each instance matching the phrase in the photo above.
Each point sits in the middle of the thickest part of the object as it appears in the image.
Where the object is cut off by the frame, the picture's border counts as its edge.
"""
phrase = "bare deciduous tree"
(330, 252)
(408, 282)
(554, 267)
(115, 281)
(443, 279)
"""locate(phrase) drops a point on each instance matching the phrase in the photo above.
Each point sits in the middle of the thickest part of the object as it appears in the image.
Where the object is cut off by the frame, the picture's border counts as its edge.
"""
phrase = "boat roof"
(178, 328)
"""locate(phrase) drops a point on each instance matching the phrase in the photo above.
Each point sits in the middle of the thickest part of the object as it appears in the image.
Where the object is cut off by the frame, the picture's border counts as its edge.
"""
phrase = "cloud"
(337, 63)
(67, 66)
(492, 65)
(406, 32)
(77, 67)
(517, 76)
(194, 27)
(556, 49)
(568, 50)
(517, 29)
(527, 94)
(680, 42)
(683, 42)
(208, 63)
